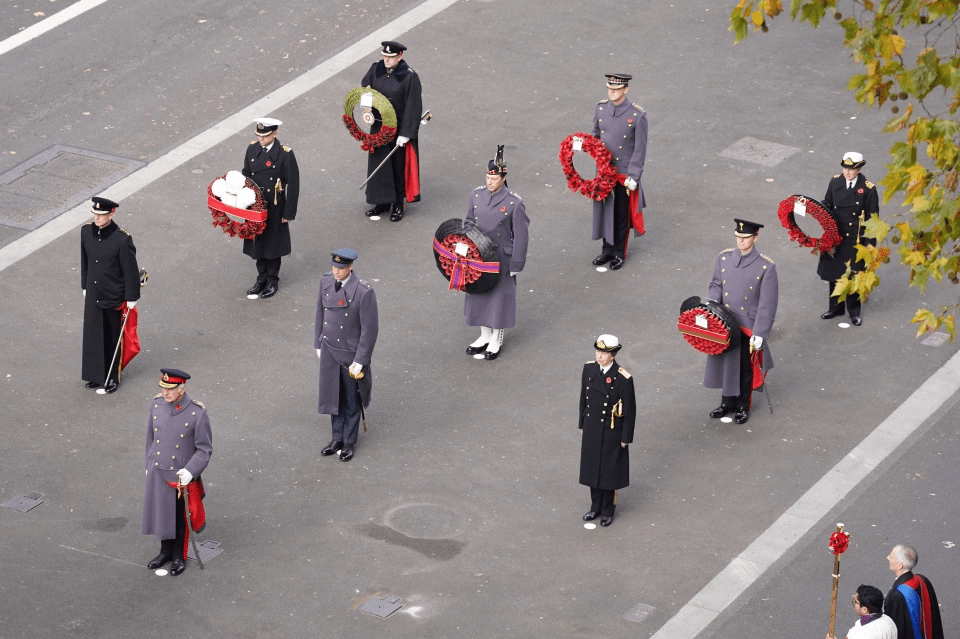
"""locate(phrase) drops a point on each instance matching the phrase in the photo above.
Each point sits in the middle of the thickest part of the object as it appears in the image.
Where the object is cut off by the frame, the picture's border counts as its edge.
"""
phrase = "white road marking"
(96, 554)
(19, 249)
(807, 511)
(54, 21)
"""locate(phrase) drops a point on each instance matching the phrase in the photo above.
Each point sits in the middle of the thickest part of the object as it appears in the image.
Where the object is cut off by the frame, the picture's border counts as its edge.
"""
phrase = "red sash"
(636, 215)
(411, 173)
(926, 622)
(198, 514)
(130, 344)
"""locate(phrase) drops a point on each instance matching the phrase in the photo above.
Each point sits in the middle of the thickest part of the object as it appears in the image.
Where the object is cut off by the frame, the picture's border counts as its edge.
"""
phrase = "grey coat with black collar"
(345, 332)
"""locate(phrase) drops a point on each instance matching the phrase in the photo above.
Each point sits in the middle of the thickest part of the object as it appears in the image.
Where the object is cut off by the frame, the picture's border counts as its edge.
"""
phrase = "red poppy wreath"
(827, 242)
(598, 188)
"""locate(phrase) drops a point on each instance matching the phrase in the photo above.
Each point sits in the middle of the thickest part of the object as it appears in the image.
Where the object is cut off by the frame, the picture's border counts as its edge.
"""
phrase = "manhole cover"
(56, 180)
(381, 607)
(758, 151)
(23, 503)
(425, 521)
(639, 612)
(208, 550)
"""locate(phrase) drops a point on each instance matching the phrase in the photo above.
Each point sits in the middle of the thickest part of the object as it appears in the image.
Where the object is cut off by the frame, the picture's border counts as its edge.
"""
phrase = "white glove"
(131, 305)
(630, 183)
(513, 273)
(185, 476)
(84, 291)
(402, 139)
(318, 352)
(756, 342)
(355, 369)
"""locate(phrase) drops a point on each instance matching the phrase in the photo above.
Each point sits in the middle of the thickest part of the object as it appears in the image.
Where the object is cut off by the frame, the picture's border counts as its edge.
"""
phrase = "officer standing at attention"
(608, 412)
(179, 446)
(852, 200)
(395, 182)
(622, 127)
(745, 282)
(344, 336)
(109, 276)
(273, 167)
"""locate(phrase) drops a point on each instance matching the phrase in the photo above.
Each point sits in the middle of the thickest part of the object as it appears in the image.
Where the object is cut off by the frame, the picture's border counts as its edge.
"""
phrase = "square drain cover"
(381, 607)
(759, 151)
(23, 503)
(936, 339)
(208, 550)
(639, 612)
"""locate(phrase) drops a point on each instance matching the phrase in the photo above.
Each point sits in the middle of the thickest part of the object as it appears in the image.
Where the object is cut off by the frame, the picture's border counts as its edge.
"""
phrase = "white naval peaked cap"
(608, 343)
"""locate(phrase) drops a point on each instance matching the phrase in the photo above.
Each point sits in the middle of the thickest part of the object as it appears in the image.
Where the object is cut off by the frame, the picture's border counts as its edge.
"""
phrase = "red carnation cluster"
(827, 242)
(598, 188)
(470, 274)
(714, 325)
(246, 230)
(839, 542)
(367, 141)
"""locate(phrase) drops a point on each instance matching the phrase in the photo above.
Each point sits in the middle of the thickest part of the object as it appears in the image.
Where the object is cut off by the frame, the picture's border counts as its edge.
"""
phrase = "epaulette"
(869, 184)
(623, 372)
(603, 101)
(637, 106)
(286, 148)
(254, 142)
(592, 361)
(364, 283)
(835, 177)
(198, 403)
(516, 195)
(88, 223)
(479, 188)
(122, 230)
(767, 258)
(158, 396)
(729, 250)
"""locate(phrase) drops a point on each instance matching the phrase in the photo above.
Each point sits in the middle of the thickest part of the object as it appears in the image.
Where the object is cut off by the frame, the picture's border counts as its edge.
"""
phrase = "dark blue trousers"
(346, 424)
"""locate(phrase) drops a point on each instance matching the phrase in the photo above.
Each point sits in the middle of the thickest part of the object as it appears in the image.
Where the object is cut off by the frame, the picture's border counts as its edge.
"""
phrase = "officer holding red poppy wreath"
(273, 167)
(622, 127)
(852, 200)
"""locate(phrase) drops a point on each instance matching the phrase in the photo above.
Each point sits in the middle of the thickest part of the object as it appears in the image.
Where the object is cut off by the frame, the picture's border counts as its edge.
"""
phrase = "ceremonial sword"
(103, 391)
(186, 507)
(423, 121)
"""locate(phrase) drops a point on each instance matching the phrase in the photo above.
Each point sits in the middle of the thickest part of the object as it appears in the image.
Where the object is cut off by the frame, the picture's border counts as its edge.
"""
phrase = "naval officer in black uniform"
(273, 167)
(852, 200)
(109, 276)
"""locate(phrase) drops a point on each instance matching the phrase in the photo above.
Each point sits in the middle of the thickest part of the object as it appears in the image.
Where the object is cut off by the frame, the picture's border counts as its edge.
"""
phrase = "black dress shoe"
(270, 290)
(492, 356)
(720, 411)
(741, 416)
(473, 350)
(606, 521)
(590, 516)
(616, 263)
(93, 385)
(331, 448)
(256, 288)
(396, 212)
(347, 453)
(379, 209)
(833, 312)
(158, 561)
(111, 386)
(856, 320)
(177, 566)
(602, 259)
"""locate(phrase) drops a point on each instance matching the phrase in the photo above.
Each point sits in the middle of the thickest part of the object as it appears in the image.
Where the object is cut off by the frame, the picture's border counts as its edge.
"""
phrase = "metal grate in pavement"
(208, 550)
(759, 151)
(381, 607)
(23, 503)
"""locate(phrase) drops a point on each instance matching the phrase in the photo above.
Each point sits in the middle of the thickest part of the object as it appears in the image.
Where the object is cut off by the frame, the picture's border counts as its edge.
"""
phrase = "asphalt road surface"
(462, 500)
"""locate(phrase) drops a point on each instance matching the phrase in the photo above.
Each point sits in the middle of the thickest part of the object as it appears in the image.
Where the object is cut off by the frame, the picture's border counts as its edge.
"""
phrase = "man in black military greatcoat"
(400, 84)
(109, 276)
(273, 167)
(852, 200)
(608, 411)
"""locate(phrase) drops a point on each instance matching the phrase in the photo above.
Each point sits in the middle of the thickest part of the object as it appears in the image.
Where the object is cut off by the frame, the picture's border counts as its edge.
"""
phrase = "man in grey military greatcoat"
(499, 214)
(622, 127)
(179, 446)
(344, 336)
(744, 282)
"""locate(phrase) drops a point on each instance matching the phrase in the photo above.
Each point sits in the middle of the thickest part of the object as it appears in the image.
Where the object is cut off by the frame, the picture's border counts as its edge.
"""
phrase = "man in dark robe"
(912, 602)
(608, 412)
(399, 180)
(109, 277)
